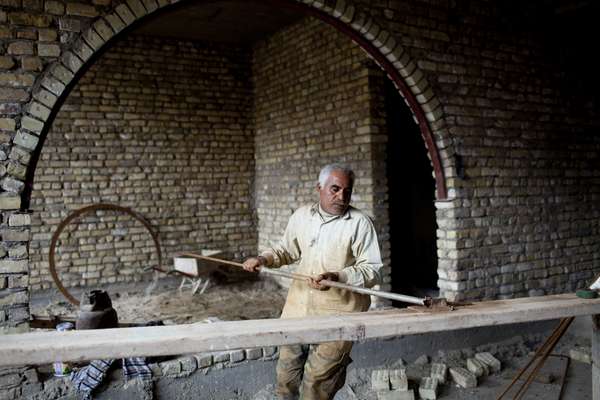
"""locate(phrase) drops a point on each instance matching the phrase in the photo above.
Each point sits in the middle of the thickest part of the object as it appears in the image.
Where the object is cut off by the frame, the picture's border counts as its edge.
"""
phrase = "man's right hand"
(253, 264)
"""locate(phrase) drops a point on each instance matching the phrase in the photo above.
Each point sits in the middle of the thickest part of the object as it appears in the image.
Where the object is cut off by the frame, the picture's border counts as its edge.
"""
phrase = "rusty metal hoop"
(77, 214)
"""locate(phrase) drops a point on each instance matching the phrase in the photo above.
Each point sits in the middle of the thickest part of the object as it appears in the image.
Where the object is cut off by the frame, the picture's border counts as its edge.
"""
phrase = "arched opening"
(411, 203)
(266, 183)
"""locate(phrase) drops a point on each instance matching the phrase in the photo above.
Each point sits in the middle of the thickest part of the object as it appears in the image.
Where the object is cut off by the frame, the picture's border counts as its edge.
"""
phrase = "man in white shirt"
(334, 241)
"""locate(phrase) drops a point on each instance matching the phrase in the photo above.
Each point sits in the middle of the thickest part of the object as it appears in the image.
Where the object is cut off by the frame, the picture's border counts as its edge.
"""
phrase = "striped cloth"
(91, 376)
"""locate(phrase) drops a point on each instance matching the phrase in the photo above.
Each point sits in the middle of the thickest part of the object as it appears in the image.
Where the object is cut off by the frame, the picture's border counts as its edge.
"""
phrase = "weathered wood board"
(45, 347)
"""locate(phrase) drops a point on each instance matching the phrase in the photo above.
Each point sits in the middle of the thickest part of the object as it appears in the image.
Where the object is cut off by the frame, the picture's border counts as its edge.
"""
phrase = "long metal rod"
(338, 285)
(541, 354)
(567, 322)
(537, 354)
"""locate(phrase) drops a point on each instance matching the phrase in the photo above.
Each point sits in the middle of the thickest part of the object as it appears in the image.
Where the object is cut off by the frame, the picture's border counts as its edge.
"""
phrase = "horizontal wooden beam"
(37, 348)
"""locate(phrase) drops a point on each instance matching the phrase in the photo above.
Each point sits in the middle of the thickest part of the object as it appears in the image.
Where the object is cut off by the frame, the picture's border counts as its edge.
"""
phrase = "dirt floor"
(233, 299)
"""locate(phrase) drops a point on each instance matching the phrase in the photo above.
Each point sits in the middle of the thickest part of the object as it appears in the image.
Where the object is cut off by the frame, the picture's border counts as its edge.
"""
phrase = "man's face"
(334, 196)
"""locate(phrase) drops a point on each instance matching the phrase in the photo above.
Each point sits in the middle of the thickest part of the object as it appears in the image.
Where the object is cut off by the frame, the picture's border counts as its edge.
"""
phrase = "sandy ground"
(233, 299)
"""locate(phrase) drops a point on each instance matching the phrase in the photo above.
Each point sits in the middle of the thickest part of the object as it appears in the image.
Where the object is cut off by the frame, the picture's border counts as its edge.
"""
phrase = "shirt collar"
(316, 207)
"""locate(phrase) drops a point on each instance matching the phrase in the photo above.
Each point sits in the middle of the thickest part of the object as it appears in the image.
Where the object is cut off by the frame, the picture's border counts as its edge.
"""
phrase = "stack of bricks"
(482, 364)
(391, 384)
(396, 384)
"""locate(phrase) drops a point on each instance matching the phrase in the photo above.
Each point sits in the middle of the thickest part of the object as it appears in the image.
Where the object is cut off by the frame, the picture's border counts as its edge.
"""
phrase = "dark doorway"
(411, 198)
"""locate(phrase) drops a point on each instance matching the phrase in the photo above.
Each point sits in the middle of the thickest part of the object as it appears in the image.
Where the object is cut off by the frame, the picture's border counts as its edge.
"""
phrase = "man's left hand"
(329, 276)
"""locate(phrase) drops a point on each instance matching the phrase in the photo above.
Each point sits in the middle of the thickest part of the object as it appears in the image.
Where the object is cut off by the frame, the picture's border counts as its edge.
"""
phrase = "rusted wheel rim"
(76, 215)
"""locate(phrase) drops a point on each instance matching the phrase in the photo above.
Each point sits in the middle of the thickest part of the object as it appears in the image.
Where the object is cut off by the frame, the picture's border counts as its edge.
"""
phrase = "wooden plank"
(45, 347)
(596, 357)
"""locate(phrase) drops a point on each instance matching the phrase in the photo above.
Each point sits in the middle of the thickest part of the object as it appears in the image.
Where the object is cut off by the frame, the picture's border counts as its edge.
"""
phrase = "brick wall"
(523, 119)
(523, 219)
(313, 106)
(163, 127)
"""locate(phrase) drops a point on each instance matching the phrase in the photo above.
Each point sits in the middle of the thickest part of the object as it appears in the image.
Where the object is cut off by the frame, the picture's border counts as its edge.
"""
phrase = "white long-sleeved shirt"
(325, 243)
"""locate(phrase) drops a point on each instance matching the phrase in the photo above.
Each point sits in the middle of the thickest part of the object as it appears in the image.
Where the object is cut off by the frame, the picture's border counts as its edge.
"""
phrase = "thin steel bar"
(541, 362)
(535, 356)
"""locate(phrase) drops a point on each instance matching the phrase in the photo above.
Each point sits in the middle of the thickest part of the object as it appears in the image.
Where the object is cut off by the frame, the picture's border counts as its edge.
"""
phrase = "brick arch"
(54, 85)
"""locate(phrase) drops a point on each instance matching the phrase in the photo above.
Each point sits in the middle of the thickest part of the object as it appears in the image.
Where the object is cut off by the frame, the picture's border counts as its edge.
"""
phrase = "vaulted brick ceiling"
(220, 21)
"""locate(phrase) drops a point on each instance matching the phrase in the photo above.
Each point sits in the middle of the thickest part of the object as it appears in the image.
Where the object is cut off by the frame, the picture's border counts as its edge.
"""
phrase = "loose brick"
(463, 377)
(398, 379)
(488, 359)
(396, 395)
(439, 372)
(380, 380)
(581, 354)
(428, 388)
(424, 358)
(477, 367)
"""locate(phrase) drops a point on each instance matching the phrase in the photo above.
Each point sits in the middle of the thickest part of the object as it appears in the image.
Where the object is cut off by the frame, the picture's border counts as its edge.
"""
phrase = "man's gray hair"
(329, 168)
